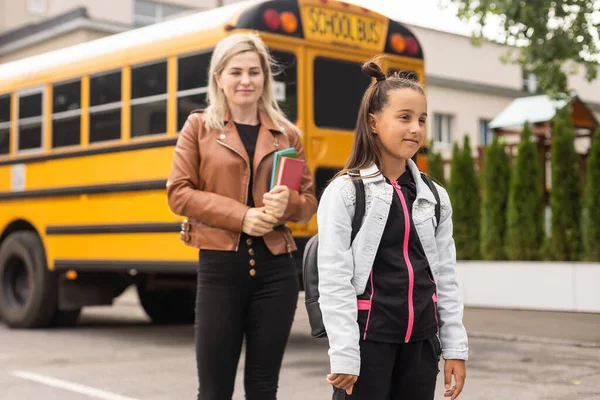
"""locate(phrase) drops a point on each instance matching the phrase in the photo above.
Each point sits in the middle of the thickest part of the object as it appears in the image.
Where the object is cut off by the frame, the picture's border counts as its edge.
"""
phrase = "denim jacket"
(344, 268)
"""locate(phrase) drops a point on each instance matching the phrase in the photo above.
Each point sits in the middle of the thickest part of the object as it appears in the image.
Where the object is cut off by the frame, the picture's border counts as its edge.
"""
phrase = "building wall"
(69, 39)
(466, 109)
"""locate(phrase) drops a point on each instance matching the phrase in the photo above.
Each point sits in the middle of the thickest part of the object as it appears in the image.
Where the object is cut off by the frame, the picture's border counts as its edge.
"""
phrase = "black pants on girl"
(234, 301)
(389, 371)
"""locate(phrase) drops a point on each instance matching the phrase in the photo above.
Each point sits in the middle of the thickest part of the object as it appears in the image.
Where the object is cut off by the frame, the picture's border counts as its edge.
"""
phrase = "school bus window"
(5, 108)
(105, 107)
(338, 89)
(30, 120)
(66, 114)
(192, 85)
(286, 78)
(149, 99)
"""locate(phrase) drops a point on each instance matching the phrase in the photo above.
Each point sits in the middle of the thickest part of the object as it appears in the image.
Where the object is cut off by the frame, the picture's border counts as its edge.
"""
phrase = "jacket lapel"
(267, 141)
(231, 138)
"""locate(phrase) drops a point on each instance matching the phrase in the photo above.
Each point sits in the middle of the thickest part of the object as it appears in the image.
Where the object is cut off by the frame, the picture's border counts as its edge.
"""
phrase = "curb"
(532, 339)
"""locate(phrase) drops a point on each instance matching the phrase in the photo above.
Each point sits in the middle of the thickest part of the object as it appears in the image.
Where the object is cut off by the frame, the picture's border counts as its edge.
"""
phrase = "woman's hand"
(342, 381)
(459, 370)
(276, 200)
(257, 223)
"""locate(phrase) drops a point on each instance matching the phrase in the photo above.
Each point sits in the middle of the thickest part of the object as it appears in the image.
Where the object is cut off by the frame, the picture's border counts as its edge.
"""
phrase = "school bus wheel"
(28, 290)
(167, 306)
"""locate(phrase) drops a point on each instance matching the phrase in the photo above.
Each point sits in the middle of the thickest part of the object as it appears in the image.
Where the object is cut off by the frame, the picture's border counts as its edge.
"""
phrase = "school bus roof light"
(398, 43)
(412, 47)
(289, 22)
(272, 19)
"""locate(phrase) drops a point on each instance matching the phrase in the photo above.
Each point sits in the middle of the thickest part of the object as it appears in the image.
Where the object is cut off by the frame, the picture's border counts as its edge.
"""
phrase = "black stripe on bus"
(113, 228)
(90, 189)
(166, 267)
(93, 152)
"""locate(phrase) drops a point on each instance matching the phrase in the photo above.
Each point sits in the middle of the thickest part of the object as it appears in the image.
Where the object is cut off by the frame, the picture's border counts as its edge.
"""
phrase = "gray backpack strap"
(433, 189)
(359, 211)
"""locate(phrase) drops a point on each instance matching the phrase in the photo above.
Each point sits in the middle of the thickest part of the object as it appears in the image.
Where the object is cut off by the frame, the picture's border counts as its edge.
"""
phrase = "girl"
(384, 295)
(247, 279)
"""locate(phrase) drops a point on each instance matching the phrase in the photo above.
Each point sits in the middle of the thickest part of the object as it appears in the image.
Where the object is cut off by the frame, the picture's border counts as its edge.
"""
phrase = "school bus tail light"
(272, 19)
(289, 22)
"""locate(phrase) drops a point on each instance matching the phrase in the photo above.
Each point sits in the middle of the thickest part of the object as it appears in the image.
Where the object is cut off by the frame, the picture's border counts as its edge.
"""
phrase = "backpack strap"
(432, 187)
(359, 211)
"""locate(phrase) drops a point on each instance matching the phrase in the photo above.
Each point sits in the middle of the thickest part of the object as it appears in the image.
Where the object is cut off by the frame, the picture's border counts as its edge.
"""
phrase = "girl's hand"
(276, 200)
(459, 370)
(342, 381)
(257, 223)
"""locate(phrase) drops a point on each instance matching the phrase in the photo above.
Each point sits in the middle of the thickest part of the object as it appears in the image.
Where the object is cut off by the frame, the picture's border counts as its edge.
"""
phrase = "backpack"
(310, 271)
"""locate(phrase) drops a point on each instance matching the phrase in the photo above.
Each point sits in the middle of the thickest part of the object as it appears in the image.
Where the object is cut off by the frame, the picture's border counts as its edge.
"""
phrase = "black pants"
(406, 371)
(235, 300)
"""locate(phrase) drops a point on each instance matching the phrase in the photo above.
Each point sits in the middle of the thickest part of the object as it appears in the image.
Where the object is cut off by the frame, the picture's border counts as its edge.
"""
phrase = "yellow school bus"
(87, 136)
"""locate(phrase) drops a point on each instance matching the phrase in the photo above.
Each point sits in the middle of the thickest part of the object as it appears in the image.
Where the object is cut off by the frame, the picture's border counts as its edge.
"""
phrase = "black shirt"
(400, 287)
(250, 247)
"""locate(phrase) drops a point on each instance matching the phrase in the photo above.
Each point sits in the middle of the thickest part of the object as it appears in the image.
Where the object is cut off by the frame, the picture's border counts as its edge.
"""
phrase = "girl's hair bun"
(373, 70)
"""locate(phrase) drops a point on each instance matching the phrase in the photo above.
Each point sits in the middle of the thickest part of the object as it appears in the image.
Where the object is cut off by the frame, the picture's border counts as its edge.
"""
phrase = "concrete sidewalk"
(580, 329)
(577, 329)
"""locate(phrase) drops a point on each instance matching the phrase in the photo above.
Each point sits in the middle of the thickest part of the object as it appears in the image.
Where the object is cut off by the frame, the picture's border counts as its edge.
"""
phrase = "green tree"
(495, 181)
(547, 37)
(565, 198)
(464, 193)
(525, 221)
(435, 166)
(591, 222)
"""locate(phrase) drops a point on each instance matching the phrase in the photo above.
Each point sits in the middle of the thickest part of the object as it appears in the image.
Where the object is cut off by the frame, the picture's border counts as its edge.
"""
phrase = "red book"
(290, 172)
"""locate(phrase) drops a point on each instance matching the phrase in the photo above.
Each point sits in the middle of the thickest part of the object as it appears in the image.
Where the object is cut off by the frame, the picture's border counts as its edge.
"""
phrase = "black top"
(248, 135)
(400, 287)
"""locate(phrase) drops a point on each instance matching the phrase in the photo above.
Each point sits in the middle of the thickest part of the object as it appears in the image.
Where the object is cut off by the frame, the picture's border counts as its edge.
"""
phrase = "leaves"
(591, 219)
(550, 34)
(525, 229)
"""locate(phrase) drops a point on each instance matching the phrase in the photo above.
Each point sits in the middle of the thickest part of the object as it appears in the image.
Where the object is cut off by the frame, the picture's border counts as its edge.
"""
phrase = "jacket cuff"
(343, 365)
(455, 354)
(235, 219)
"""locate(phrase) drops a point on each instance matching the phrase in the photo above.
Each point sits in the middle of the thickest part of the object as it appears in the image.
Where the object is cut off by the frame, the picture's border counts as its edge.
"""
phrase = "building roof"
(542, 108)
(530, 109)
(122, 41)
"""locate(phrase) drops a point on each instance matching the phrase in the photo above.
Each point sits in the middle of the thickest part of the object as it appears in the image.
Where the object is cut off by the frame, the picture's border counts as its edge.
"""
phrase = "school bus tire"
(175, 306)
(23, 262)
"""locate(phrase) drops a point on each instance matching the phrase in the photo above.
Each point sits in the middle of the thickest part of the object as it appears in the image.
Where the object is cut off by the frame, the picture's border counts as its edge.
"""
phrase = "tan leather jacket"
(209, 183)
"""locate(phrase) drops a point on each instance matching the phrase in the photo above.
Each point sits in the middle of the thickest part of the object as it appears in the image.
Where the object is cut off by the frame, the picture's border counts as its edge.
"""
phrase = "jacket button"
(252, 272)
(252, 262)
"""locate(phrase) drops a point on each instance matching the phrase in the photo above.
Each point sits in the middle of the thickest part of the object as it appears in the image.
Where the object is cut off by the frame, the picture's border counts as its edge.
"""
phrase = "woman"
(385, 296)
(220, 180)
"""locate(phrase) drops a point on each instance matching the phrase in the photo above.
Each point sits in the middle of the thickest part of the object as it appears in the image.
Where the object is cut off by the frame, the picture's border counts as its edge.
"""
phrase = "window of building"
(149, 99)
(149, 12)
(30, 122)
(442, 128)
(36, 6)
(339, 83)
(66, 114)
(530, 82)
(485, 134)
(105, 107)
(5, 111)
(192, 85)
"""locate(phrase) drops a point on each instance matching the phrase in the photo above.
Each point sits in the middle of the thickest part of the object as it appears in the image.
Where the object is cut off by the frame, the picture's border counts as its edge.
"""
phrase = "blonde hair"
(227, 48)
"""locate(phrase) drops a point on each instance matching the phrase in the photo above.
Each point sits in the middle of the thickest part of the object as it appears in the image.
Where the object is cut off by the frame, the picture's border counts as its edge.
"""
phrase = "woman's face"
(242, 80)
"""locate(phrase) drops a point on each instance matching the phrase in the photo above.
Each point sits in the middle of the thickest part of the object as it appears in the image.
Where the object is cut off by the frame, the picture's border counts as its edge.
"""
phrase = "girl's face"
(242, 79)
(400, 125)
